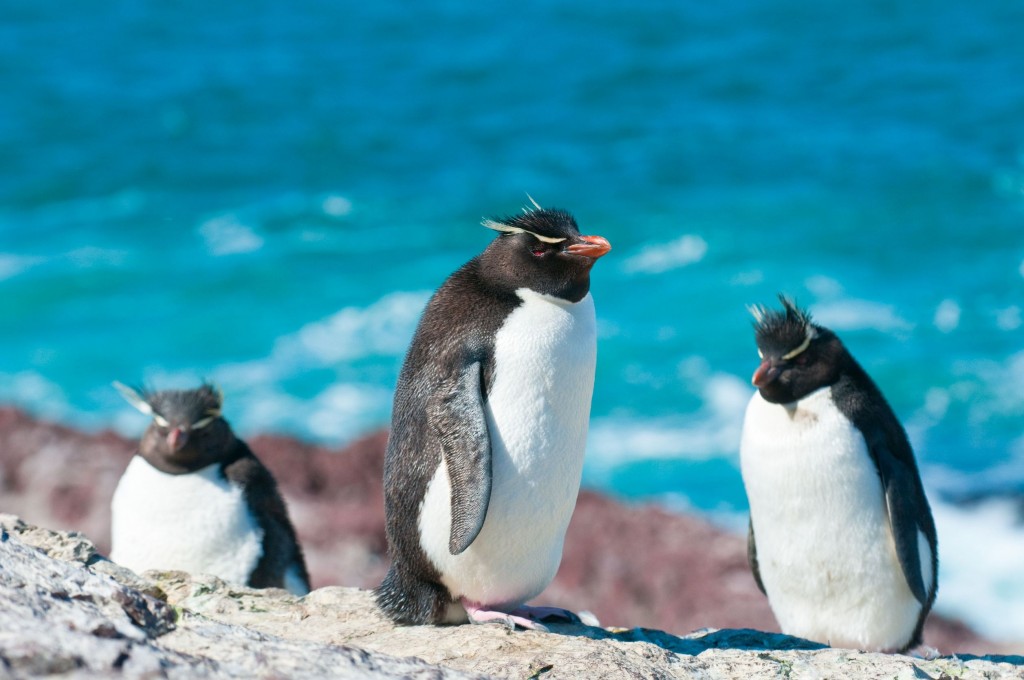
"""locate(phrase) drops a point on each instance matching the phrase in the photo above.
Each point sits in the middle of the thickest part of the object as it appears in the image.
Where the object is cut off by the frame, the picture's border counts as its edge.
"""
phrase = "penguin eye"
(202, 422)
(160, 420)
(538, 251)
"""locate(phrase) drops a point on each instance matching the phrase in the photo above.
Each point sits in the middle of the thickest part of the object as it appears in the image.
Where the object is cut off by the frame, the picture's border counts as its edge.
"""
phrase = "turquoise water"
(266, 195)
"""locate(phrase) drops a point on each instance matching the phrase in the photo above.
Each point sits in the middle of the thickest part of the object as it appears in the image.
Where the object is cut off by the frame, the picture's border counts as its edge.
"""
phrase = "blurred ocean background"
(265, 194)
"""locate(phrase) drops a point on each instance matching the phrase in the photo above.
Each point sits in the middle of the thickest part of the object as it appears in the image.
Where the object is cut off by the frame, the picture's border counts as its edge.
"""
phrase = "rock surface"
(59, 616)
(629, 565)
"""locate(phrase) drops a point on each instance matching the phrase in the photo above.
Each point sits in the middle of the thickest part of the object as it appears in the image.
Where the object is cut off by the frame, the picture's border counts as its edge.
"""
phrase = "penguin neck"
(183, 464)
(528, 294)
(571, 285)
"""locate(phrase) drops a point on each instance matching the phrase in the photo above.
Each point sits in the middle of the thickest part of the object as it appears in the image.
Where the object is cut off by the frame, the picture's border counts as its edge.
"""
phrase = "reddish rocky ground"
(631, 565)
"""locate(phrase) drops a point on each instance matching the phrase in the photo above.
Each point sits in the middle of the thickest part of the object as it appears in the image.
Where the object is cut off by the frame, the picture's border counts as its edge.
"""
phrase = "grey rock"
(60, 615)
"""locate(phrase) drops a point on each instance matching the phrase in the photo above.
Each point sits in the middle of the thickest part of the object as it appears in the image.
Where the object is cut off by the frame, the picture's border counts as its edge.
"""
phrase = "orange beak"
(592, 247)
(765, 374)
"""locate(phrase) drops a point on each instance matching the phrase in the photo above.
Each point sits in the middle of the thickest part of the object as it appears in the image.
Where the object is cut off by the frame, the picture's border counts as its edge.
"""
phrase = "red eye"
(537, 251)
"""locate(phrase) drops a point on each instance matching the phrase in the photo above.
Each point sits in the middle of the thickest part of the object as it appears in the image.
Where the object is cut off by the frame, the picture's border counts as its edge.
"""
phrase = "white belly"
(537, 415)
(824, 544)
(196, 522)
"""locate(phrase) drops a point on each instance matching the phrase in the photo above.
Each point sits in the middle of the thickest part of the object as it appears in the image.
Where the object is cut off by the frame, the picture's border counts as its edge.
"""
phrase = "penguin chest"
(197, 522)
(825, 548)
(537, 414)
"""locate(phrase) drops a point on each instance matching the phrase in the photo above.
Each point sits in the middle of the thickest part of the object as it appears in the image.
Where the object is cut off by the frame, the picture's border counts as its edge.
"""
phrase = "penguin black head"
(541, 250)
(797, 356)
(187, 432)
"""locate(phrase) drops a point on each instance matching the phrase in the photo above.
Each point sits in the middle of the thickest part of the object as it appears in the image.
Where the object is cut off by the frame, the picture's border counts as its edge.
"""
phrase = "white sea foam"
(338, 413)
(227, 235)
(824, 286)
(662, 257)
(383, 328)
(989, 388)
(711, 432)
(981, 579)
(45, 397)
(1009, 318)
(334, 205)
(11, 265)
(748, 278)
(342, 409)
(256, 401)
(947, 316)
(853, 315)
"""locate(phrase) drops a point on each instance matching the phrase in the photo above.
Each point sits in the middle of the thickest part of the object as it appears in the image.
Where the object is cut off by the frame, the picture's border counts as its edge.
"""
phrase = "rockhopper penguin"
(195, 498)
(488, 429)
(841, 539)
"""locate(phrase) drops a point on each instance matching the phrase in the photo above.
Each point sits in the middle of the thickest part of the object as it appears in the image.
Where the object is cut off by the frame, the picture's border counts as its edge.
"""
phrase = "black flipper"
(281, 550)
(456, 413)
(752, 557)
(906, 507)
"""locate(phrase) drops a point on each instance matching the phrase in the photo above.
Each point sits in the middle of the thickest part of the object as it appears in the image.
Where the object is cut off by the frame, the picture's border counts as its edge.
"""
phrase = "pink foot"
(523, 616)
(478, 614)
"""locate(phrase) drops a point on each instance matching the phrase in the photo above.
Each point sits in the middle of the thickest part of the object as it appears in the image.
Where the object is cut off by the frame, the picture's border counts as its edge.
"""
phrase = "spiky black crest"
(186, 405)
(552, 223)
(779, 332)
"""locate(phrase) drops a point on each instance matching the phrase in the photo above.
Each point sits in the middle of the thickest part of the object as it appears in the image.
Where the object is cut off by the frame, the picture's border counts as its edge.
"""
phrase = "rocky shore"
(632, 566)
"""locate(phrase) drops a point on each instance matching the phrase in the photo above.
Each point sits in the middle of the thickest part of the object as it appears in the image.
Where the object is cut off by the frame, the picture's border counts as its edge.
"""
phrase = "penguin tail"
(411, 601)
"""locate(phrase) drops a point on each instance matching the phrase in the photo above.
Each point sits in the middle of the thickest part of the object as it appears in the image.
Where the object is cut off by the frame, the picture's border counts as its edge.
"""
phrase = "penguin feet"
(479, 614)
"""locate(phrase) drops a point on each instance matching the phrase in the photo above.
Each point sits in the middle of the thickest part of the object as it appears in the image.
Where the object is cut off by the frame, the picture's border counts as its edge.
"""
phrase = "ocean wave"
(227, 235)
(711, 432)
(947, 316)
(11, 265)
(981, 550)
(339, 412)
(662, 257)
(990, 389)
(30, 388)
(384, 328)
(852, 314)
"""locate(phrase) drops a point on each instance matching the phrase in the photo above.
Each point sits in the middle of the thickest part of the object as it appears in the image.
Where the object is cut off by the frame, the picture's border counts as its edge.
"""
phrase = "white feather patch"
(197, 522)
(825, 548)
(537, 415)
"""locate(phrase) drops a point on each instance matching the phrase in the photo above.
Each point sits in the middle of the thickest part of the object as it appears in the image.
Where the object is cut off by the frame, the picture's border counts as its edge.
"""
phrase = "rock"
(60, 617)
(631, 565)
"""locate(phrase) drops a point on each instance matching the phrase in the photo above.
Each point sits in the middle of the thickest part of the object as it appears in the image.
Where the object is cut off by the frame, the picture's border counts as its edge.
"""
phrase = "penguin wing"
(281, 550)
(752, 557)
(909, 514)
(456, 414)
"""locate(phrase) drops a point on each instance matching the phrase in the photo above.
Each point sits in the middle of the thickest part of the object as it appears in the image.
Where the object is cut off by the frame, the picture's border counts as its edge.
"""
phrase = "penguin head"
(797, 356)
(542, 250)
(187, 431)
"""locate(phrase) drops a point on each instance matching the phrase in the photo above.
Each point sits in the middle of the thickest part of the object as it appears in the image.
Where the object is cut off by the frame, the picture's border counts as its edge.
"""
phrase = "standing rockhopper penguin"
(489, 426)
(195, 498)
(842, 540)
